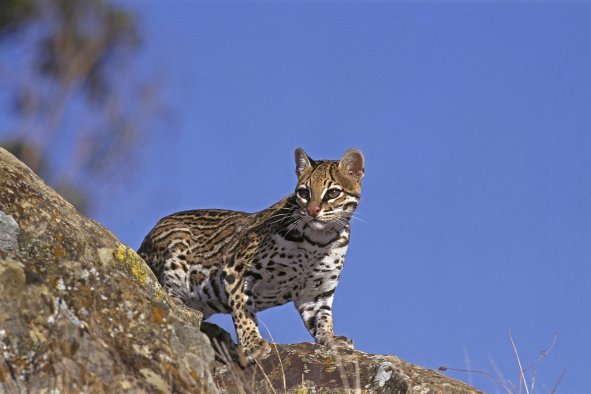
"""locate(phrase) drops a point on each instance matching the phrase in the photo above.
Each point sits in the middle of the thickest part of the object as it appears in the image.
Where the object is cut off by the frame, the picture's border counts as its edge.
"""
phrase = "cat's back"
(195, 237)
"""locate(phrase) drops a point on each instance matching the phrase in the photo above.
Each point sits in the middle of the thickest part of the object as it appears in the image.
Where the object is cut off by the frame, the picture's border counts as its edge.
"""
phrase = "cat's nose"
(313, 210)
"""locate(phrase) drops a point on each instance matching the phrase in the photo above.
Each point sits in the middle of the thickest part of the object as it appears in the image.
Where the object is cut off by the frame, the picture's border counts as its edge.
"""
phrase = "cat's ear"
(302, 161)
(353, 164)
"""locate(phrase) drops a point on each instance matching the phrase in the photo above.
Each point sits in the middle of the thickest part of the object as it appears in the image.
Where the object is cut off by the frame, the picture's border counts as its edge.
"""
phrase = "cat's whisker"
(293, 226)
(279, 217)
(278, 220)
(289, 224)
(358, 218)
(341, 222)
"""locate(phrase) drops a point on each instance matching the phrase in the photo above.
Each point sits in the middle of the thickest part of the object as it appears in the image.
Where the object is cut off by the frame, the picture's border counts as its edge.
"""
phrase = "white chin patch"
(316, 225)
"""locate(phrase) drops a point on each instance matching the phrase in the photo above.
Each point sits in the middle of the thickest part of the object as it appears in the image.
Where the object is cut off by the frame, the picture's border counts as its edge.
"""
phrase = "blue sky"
(475, 121)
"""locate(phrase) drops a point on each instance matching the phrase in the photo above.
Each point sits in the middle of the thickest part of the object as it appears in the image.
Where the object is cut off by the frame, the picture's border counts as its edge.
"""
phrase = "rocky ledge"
(81, 312)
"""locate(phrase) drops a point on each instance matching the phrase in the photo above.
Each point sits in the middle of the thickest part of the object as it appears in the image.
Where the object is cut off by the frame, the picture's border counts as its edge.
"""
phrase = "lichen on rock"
(311, 368)
(133, 264)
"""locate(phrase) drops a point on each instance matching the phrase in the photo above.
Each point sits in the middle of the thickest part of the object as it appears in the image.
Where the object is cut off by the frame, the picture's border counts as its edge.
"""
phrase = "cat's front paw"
(256, 350)
(337, 342)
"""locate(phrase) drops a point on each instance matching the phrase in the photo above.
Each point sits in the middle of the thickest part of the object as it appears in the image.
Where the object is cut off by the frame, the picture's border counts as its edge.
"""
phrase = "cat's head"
(328, 191)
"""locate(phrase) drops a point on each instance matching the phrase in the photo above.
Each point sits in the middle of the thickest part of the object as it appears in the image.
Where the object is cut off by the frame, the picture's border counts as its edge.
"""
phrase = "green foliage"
(13, 14)
(76, 106)
(100, 32)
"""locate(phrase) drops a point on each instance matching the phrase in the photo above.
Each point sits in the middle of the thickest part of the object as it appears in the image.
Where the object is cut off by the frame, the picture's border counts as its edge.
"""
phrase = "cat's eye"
(332, 193)
(303, 193)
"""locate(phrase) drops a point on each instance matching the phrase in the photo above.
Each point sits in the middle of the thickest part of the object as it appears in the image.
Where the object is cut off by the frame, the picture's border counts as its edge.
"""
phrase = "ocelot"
(220, 261)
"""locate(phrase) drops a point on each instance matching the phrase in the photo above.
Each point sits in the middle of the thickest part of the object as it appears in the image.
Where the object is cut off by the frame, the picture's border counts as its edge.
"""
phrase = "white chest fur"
(291, 270)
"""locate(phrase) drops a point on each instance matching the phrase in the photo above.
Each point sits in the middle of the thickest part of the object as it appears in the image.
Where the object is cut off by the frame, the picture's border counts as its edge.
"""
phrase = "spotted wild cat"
(219, 261)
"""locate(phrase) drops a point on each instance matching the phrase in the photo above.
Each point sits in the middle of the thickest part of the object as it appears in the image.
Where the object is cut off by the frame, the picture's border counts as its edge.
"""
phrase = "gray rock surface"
(306, 368)
(80, 311)
(8, 232)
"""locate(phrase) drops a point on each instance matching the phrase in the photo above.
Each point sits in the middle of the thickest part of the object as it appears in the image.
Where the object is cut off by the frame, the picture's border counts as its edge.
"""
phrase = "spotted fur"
(219, 261)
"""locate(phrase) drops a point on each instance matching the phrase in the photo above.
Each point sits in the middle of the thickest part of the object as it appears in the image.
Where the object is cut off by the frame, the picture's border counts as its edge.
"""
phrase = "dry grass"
(527, 376)
(245, 381)
(242, 382)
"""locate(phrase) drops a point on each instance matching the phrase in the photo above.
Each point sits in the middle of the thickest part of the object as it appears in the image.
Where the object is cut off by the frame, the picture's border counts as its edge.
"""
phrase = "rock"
(80, 311)
(307, 368)
(8, 232)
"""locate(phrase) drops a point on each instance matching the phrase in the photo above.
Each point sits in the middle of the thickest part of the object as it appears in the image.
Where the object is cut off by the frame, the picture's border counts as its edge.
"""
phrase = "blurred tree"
(72, 104)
